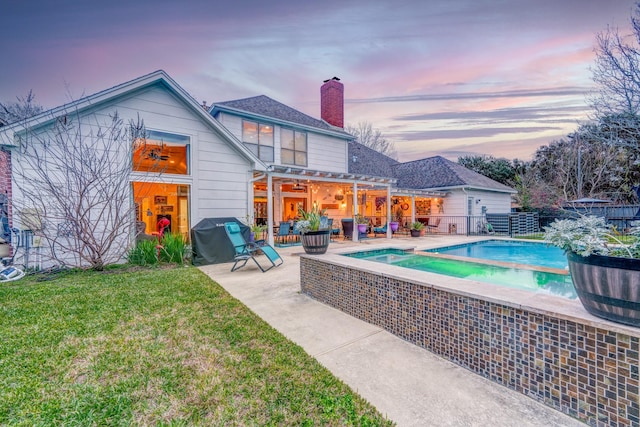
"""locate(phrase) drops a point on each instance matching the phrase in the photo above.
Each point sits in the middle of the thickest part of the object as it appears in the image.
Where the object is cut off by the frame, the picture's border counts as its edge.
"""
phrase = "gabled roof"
(156, 78)
(263, 106)
(364, 160)
(439, 173)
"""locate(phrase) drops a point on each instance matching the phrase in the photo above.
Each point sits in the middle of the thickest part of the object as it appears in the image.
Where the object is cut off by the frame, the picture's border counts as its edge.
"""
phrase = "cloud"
(521, 93)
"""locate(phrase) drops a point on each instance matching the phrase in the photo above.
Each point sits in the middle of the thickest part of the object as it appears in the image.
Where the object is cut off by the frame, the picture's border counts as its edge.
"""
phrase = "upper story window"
(258, 138)
(161, 152)
(294, 147)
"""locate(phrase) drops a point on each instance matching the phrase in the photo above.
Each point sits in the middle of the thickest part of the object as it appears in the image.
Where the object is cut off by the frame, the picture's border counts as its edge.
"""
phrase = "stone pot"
(608, 287)
(417, 233)
(316, 242)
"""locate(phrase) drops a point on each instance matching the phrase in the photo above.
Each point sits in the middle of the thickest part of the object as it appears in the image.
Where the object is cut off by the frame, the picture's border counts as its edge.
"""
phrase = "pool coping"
(538, 302)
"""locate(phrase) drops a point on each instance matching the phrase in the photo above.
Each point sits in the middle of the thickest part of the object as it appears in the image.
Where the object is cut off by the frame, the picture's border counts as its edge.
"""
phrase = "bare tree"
(24, 108)
(73, 186)
(368, 136)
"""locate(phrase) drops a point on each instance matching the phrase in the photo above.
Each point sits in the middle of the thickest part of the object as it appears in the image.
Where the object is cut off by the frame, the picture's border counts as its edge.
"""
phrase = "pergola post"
(270, 239)
(355, 235)
(389, 232)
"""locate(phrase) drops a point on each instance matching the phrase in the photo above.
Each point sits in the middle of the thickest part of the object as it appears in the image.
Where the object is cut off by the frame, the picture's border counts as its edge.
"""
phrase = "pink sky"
(498, 77)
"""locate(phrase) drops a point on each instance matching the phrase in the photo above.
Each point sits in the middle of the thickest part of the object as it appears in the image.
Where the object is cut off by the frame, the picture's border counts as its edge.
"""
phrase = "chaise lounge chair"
(249, 250)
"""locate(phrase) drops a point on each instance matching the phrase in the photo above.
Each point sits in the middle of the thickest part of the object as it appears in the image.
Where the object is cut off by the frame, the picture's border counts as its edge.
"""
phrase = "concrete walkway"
(409, 385)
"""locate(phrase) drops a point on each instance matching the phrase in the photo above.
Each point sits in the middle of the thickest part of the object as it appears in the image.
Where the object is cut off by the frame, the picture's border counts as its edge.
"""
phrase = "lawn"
(156, 346)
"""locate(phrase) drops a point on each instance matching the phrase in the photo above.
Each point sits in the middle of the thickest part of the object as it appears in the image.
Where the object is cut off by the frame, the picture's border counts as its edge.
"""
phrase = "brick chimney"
(332, 102)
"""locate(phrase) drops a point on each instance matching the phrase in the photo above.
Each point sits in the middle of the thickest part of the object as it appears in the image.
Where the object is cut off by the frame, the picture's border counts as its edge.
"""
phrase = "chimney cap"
(333, 78)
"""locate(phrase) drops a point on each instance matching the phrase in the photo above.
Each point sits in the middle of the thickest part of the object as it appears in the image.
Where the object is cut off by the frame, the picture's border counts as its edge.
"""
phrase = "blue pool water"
(532, 280)
(531, 253)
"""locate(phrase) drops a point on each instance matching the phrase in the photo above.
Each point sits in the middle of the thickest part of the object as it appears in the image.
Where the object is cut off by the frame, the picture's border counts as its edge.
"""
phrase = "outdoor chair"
(295, 233)
(347, 228)
(334, 231)
(433, 227)
(380, 230)
(283, 232)
(244, 251)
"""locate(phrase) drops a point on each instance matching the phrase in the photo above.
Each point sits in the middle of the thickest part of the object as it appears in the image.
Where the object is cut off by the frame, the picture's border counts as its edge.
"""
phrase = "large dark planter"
(608, 287)
(417, 233)
(316, 242)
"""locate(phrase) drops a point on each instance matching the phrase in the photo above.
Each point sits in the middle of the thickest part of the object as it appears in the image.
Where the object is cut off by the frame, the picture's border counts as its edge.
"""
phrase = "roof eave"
(472, 187)
(224, 109)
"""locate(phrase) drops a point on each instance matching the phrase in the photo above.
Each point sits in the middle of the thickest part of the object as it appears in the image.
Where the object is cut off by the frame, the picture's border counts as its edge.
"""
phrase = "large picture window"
(258, 138)
(294, 147)
(161, 152)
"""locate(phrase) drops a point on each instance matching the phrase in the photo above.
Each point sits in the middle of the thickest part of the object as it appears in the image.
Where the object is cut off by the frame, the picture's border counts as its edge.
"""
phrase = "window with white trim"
(258, 138)
(294, 147)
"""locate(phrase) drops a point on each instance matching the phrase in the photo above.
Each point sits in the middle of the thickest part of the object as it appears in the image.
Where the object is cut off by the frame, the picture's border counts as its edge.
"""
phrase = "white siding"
(455, 204)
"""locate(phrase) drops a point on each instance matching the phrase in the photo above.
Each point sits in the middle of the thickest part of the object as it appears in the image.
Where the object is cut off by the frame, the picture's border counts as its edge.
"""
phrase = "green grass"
(154, 346)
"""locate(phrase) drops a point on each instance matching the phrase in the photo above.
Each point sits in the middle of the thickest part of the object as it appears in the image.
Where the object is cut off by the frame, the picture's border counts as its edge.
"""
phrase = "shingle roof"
(265, 106)
(438, 172)
(364, 160)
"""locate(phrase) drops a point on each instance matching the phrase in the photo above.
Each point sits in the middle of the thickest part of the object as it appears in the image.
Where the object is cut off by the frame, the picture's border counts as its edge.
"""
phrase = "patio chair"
(249, 250)
(334, 231)
(283, 231)
(295, 233)
(380, 230)
(347, 228)
(433, 227)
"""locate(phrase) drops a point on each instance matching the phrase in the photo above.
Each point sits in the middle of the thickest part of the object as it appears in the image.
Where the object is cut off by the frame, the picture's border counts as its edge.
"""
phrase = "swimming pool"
(530, 253)
(519, 276)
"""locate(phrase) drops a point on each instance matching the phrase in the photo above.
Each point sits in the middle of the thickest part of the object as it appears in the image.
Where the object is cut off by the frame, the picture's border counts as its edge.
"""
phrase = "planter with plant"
(314, 230)
(256, 231)
(397, 220)
(363, 223)
(417, 229)
(605, 270)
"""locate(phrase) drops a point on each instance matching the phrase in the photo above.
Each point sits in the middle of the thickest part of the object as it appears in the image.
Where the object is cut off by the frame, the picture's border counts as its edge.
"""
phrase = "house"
(252, 157)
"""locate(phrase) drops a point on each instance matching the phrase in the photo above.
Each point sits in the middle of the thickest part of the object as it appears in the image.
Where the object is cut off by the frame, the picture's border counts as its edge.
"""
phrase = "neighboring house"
(254, 157)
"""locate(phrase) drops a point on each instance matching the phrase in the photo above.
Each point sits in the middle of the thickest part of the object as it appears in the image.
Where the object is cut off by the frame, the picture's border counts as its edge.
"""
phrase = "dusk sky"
(437, 77)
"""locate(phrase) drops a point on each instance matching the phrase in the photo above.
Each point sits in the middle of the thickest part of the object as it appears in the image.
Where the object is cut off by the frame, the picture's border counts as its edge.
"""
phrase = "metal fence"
(519, 224)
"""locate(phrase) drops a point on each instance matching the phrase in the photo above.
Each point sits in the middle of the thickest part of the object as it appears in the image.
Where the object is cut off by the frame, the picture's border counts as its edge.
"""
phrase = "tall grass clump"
(173, 248)
(144, 253)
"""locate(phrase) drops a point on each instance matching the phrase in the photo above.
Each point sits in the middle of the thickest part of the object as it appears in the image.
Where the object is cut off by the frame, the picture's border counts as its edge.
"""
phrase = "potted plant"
(397, 219)
(417, 229)
(314, 232)
(605, 271)
(256, 230)
(363, 223)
